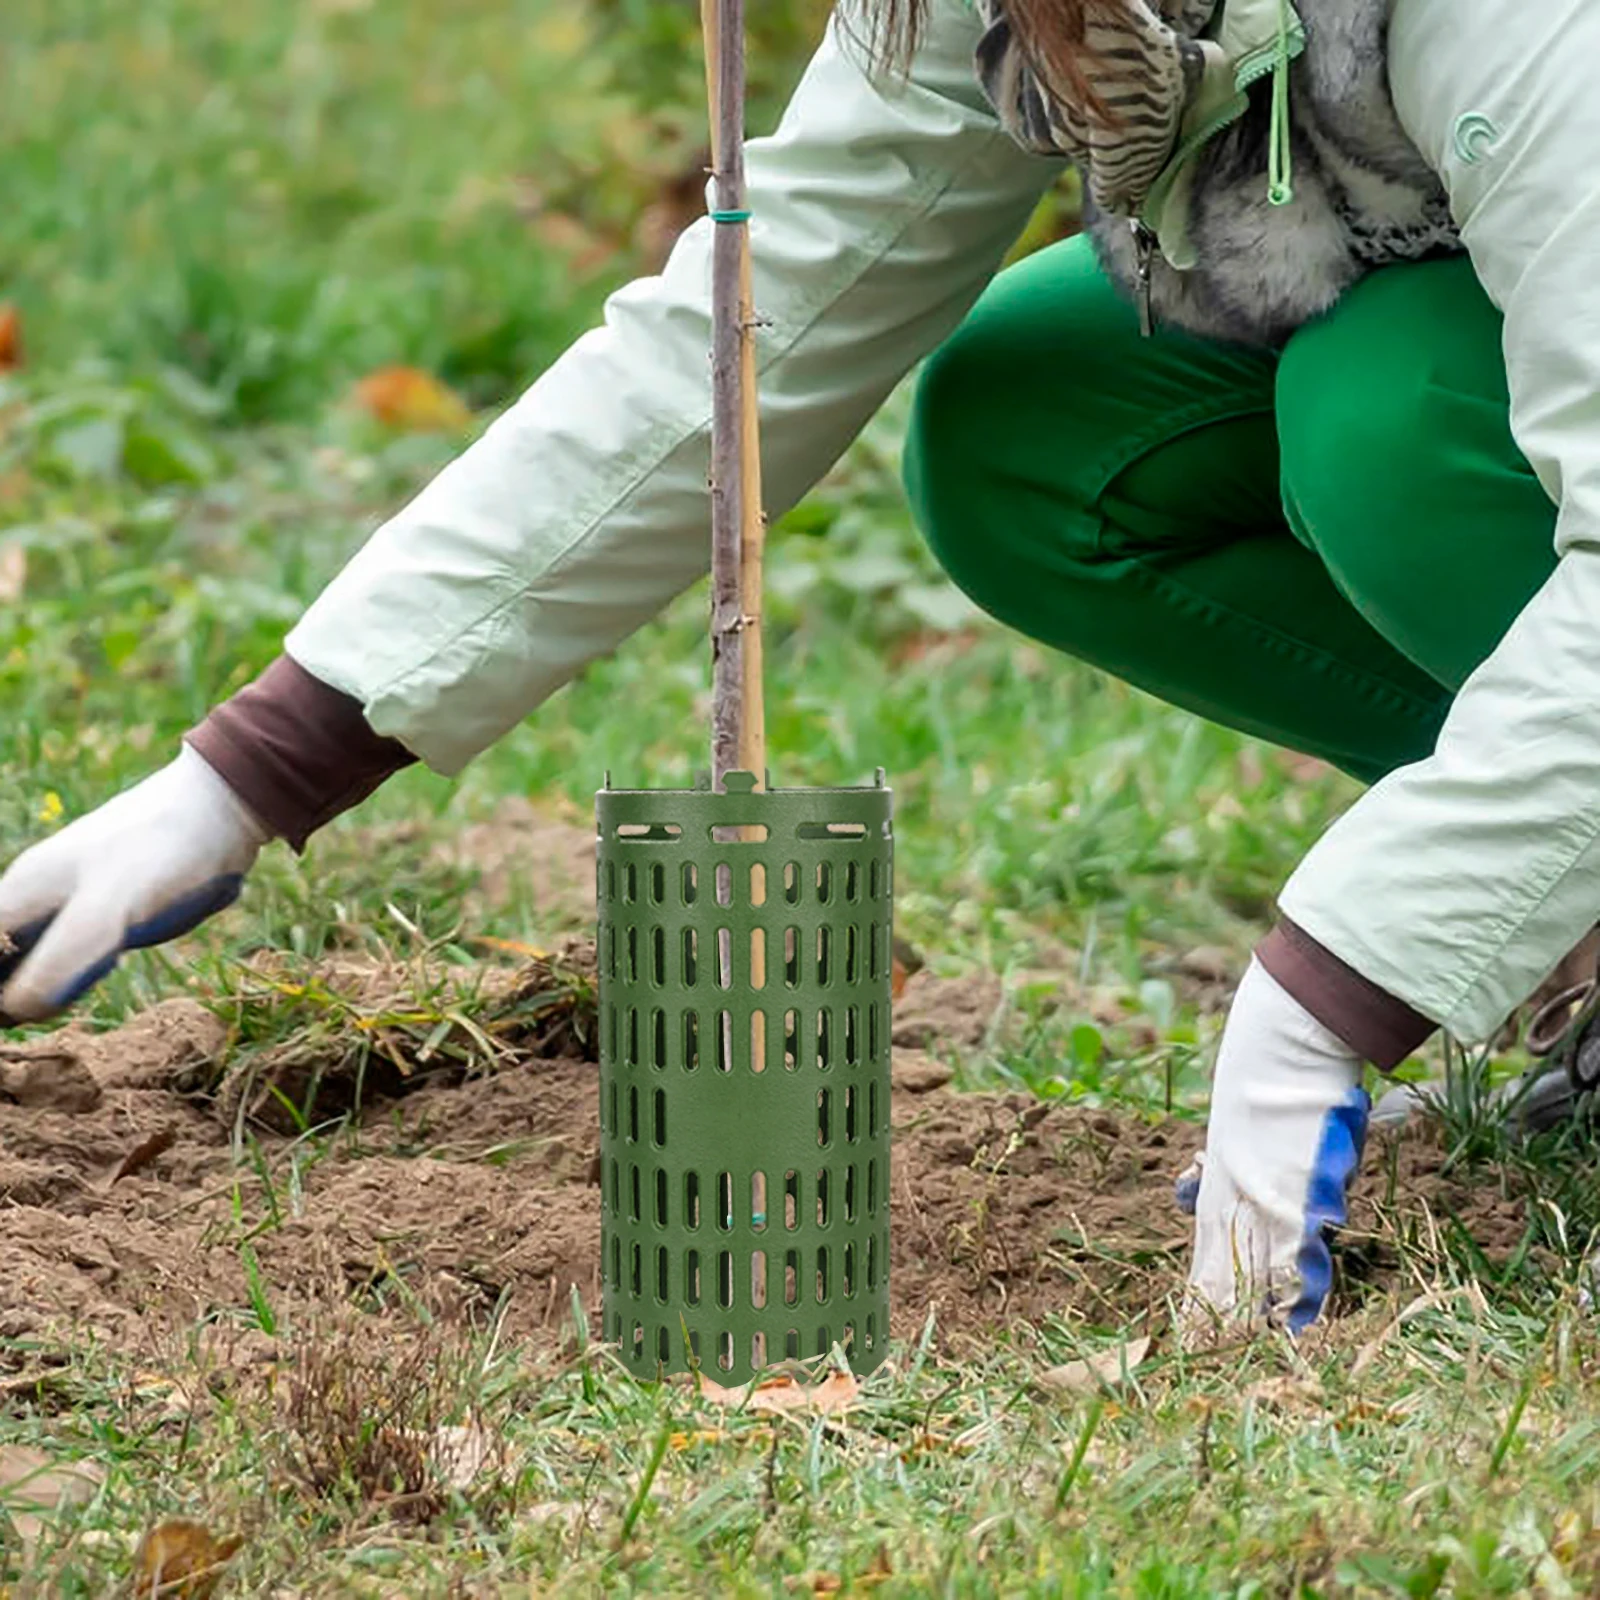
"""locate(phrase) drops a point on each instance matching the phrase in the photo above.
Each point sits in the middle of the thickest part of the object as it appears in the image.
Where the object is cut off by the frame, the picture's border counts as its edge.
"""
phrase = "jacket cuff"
(296, 752)
(1371, 1021)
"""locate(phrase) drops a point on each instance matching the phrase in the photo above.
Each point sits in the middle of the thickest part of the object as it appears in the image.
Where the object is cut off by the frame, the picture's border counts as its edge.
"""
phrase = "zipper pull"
(1144, 252)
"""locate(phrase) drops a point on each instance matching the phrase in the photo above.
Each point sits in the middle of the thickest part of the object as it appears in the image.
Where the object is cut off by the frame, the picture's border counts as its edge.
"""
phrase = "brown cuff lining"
(296, 752)
(1380, 1028)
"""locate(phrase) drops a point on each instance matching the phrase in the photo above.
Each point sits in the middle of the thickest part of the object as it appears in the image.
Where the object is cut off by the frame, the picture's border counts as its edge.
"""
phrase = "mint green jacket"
(880, 212)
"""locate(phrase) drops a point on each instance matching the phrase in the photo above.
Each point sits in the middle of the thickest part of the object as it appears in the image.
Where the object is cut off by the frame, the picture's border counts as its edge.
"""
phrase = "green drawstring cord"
(1280, 154)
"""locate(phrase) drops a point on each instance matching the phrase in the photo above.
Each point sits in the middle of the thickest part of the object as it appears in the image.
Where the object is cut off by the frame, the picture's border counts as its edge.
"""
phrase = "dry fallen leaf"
(836, 1393)
(906, 961)
(412, 400)
(1287, 1392)
(461, 1453)
(784, 1396)
(182, 1560)
(696, 1436)
(13, 572)
(1209, 963)
(511, 947)
(10, 338)
(143, 1153)
(569, 1513)
(33, 1487)
(1096, 1371)
(164, 1393)
(832, 1583)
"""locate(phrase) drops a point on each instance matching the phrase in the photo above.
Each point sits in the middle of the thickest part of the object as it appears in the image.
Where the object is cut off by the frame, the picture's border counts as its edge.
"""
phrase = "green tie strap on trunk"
(745, 988)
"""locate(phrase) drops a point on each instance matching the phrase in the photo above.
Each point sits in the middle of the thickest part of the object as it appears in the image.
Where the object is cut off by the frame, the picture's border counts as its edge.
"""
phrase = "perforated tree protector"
(745, 967)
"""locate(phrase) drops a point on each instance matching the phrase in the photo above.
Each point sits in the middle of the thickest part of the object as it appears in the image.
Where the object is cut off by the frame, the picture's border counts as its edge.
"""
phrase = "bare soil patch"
(130, 1212)
(542, 851)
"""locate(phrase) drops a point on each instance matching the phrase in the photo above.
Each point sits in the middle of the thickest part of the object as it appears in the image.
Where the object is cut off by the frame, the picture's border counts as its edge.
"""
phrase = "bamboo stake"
(738, 528)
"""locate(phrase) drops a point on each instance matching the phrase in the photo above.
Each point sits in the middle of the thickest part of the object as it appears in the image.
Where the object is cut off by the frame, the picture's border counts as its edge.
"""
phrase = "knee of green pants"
(1399, 467)
(976, 393)
(1048, 436)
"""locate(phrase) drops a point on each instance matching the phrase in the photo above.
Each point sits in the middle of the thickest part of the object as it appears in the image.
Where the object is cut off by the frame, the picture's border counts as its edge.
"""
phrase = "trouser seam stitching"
(1375, 688)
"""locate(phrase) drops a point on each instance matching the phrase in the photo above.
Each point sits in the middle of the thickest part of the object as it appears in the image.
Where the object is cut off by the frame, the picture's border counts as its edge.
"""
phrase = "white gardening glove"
(1288, 1120)
(146, 867)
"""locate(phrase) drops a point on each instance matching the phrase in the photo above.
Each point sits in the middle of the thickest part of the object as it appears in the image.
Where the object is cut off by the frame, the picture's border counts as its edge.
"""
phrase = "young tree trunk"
(738, 722)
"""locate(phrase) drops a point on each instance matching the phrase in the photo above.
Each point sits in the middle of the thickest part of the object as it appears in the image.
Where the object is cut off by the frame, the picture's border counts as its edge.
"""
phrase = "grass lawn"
(220, 218)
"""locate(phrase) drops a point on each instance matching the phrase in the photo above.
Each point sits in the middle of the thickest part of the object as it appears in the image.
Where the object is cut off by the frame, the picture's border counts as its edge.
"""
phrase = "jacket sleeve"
(880, 209)
(1460, 881)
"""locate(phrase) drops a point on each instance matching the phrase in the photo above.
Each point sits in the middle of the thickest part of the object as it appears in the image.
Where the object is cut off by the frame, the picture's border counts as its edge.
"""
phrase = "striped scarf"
(1142, 67)
(1261, 263)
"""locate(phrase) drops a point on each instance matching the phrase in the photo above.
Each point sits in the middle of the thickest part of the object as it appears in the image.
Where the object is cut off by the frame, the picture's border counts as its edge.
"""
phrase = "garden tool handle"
(738, 738)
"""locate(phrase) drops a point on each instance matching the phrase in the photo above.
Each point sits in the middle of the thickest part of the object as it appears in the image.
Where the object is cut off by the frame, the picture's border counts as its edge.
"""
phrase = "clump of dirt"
(359, 1032)
(133, 1210)
(948, 1012)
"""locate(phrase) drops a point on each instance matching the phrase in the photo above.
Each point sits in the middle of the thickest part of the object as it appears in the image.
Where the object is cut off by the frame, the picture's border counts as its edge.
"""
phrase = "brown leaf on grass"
(143, 1153)
(1287, 1392)
(412, 401)
(695, 1436)
(33, 1487)
(1097, 1371)
(510, 947)
(10, 337)
(462, 1452)
(907, 960)
(831, 1583)
(182, 1560)
(784, 1396)
(944, 643)
(163, 1393)
(1209, 963)
(13, 573)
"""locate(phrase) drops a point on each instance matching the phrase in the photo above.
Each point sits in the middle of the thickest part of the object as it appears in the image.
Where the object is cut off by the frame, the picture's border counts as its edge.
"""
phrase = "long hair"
(1052, 34)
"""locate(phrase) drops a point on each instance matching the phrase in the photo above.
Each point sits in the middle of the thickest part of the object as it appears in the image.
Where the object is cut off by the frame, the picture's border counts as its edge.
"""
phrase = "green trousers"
(1316, 548)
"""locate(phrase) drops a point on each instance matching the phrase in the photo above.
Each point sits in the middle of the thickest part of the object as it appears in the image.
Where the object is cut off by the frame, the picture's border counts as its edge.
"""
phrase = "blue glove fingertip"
(1344, 1135)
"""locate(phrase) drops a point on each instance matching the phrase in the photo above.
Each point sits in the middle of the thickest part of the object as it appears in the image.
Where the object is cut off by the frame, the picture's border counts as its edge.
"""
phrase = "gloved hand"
(149, 865)
(1288, 1121)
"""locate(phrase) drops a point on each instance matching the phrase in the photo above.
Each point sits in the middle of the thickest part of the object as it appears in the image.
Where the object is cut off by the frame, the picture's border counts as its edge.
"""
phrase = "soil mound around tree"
(140, 1201)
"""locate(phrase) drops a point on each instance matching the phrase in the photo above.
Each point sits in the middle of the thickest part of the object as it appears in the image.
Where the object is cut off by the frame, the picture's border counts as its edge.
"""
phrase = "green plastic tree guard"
(745, 971)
